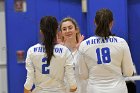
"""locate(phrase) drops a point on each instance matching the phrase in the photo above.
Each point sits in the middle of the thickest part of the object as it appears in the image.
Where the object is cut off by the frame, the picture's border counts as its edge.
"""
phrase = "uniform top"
(105, 60)
(49, 76)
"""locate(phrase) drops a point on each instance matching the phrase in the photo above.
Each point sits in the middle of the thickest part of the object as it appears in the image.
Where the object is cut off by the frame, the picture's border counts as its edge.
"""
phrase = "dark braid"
(49, 25)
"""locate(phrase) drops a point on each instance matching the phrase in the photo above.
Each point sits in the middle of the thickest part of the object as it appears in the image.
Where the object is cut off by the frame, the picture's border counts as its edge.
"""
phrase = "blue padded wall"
(73, 9)
(22, 29)
(119, 9)
(46, 8)
(134, 34)
(21, 33)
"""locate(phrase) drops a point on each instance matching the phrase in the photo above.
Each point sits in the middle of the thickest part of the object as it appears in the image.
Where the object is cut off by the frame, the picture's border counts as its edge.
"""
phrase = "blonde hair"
(75, 25)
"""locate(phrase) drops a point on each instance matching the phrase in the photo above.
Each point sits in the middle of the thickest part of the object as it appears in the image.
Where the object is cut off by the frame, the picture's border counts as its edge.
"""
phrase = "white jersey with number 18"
(105, 62)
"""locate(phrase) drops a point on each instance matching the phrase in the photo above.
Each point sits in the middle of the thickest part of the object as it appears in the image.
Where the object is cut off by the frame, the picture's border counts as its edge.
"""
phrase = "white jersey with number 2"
(49, 78)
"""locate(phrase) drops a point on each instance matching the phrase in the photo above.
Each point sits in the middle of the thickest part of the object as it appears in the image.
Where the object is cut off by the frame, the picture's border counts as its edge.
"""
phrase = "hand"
(81, 38)
(59, 38)
(26, 91)
(69, 42)
(73, 88)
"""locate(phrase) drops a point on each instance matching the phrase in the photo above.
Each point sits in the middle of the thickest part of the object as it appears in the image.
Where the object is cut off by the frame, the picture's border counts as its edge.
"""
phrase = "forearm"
(83, 69)
(71, 78)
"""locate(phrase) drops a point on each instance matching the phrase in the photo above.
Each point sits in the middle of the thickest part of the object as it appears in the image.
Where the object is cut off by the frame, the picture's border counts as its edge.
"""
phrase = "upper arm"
(29, 64)
(30, 71)
(127, 64)
(83, 69)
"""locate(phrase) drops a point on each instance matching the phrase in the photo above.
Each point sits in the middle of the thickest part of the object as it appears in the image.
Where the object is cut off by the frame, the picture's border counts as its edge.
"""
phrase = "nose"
(67, 30)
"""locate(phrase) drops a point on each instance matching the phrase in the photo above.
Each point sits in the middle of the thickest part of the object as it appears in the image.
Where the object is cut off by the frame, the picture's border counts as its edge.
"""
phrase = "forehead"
(67, 23)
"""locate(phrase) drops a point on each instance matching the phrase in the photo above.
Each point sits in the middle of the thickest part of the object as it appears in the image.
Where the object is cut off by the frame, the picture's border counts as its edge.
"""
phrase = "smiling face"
(68, 30)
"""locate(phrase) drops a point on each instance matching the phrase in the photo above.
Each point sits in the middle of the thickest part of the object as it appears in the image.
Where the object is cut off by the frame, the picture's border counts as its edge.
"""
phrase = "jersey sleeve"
(83, 69)
(69, 70)
(127, 64)
(30, 72)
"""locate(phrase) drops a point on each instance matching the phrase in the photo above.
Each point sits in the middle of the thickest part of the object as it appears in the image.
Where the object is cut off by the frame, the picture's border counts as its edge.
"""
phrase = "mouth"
(68, 35)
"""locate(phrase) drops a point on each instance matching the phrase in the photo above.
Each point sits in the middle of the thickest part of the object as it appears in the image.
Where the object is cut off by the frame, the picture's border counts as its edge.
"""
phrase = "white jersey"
(81, 84)
(105, 62)
(49, 78)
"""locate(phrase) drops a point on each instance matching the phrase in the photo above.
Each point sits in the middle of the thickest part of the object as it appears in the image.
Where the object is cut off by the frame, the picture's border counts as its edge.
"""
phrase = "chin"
(70, 37)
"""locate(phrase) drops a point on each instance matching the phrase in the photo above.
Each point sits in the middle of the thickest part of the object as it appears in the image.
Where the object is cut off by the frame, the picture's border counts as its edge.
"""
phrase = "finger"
(73, 90)
(81, 38)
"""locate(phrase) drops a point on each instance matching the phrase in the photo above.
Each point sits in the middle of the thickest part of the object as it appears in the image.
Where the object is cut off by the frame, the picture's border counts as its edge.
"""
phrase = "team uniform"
(81, 84)
(105, 63)
(49, 78)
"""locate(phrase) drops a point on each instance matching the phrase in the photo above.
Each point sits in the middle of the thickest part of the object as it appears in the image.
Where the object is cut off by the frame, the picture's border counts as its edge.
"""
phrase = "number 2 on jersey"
(44, 66)
(103, 55)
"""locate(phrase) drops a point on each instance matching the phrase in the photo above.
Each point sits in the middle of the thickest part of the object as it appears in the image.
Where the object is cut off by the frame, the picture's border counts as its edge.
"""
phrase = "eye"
(70, 27)
(64, 29)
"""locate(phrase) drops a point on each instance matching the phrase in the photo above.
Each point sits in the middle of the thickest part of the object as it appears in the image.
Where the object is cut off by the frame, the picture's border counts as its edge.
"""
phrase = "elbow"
(83, 77)
(129, 73)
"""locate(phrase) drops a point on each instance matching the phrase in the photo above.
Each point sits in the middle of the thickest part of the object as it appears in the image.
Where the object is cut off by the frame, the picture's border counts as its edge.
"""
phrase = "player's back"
(104, 60)
(49, 76)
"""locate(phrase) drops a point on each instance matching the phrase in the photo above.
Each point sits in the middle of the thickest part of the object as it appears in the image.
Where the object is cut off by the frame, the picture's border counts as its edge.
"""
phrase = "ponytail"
(48, 26)
(103, 18)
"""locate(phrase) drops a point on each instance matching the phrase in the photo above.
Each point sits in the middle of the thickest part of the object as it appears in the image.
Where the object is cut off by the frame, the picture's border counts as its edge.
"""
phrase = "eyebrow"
(67, 26)
(70, 26)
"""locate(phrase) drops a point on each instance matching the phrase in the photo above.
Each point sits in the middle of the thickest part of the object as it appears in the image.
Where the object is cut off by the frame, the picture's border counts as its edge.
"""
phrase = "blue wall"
(119, 9)
(21, 33)
(73, 9)
(134, 34)
(23, 28)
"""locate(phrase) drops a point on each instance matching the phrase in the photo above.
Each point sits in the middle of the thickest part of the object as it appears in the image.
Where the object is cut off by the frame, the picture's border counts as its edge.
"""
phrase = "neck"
(71, 43)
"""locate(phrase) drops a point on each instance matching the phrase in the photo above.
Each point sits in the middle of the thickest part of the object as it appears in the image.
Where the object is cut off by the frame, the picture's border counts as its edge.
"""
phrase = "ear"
(95, 23)
(41, 31)
(111, 24)
(77, 30)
